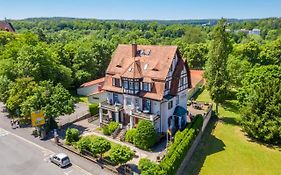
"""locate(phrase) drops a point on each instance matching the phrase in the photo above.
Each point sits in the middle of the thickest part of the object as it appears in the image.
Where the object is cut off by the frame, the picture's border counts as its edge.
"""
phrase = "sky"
(140, 9)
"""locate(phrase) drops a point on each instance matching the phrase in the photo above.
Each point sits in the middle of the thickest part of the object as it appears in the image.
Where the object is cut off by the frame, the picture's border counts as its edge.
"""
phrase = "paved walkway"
(81, 109)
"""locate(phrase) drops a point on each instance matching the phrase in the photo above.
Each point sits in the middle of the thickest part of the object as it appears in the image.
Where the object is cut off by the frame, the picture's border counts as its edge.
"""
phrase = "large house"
(145, 82)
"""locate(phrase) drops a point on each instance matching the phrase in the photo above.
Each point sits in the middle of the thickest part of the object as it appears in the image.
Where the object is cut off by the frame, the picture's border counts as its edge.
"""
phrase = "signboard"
(37, 118)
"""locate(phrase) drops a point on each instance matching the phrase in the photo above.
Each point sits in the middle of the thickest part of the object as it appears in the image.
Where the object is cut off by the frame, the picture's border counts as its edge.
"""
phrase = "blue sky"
(140, 9)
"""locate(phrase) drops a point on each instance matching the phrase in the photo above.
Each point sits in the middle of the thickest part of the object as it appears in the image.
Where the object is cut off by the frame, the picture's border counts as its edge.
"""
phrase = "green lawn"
(225, 150)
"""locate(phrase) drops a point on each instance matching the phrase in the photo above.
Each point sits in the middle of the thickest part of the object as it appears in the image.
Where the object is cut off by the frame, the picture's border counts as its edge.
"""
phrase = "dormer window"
(131, 86)
(116, 82)
(146, 87)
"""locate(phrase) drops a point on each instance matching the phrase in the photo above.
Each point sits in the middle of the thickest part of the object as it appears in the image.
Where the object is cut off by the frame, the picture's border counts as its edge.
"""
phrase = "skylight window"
(145, 66)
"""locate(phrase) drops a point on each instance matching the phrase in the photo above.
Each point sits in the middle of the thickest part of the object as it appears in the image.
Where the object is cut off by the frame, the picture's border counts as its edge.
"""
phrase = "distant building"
(93, 90)
(197, 81)
(255, 31)
(6, 26)
(247, 32)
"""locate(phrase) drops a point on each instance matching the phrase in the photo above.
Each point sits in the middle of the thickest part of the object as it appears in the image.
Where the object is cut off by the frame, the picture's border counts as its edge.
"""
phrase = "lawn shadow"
(229, 121)
(208, 145)
(231, 106)
(268, 145)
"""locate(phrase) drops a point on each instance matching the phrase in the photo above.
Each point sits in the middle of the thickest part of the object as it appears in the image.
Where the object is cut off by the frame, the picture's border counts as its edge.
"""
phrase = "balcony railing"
(112, 107)
(145, 115)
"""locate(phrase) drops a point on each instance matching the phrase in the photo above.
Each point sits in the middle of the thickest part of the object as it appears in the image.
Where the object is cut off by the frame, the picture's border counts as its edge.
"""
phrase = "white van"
(61, 159)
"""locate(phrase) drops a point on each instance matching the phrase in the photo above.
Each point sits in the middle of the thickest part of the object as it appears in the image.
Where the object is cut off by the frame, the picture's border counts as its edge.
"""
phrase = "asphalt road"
(23, 154)
(21, 157)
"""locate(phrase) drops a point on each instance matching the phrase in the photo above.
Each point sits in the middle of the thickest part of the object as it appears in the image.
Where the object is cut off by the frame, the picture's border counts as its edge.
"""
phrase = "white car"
(61, 159)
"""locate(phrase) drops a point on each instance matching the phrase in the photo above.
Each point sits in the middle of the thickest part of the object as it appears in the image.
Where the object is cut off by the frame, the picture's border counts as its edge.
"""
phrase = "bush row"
(176, 151)
(118, 154)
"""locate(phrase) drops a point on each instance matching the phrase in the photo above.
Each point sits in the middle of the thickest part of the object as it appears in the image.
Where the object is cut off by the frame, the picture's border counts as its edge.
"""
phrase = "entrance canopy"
(180, 111)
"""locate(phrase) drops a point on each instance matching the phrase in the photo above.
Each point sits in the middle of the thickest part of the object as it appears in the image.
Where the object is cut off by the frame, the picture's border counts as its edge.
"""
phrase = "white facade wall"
(97, 98)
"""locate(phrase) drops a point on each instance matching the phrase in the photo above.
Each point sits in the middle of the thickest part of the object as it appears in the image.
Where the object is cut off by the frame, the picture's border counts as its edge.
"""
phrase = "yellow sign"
(37, 118)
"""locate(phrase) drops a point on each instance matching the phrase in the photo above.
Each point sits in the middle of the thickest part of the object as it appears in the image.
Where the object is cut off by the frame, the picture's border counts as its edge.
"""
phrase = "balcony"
(111, 106)
(145, 115)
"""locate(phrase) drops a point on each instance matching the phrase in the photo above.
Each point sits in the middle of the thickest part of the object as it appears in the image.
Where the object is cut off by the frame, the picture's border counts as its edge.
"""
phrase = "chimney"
(134, 50)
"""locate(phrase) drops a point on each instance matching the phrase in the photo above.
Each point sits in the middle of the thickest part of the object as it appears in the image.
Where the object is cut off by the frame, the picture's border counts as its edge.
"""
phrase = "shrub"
(94, 108)
(94, 145)
(72, 135)
(99, 145)
(130, 135)
(145, 136)
(147, 167)
(84, 143)
(113, 126)
(108, 130)
(105, 130)
(120, 154)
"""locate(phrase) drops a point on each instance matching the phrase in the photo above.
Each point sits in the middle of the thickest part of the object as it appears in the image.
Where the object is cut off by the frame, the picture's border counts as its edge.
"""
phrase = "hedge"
(147, 167)
(94, 108)
(177, 150)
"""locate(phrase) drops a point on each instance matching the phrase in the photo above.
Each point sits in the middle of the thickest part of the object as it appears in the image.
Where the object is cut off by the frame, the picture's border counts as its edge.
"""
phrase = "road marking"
(44, 150)
(67, 173)
(3, 132)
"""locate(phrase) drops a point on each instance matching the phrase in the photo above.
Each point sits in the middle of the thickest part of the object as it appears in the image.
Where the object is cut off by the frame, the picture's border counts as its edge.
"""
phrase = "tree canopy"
(216, 68)
(261, 99)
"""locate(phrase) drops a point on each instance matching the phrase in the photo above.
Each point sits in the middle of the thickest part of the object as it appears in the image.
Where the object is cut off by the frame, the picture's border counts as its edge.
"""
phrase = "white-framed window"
(116, 82)
(178, 100)
(146, 87)
(170, 104)
(129, 101)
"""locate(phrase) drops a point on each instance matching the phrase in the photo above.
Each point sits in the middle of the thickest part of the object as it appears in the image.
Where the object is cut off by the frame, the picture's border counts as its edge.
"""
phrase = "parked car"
(61, 159)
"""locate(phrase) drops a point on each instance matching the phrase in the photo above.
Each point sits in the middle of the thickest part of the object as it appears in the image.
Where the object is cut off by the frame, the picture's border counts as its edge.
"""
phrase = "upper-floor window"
(183, 84)
(146, 105)
(131, 86)
(116, 82)
(146, 87)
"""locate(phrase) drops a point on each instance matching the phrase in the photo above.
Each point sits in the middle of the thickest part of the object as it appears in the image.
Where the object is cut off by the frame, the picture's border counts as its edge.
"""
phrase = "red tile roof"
(94, 82)
(150, 62)
(196, 77)
(6, 26)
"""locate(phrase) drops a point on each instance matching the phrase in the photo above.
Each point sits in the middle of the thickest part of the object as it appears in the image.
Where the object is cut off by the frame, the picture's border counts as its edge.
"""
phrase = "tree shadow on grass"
(231, 106)
(229, 121)
(208, 145)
